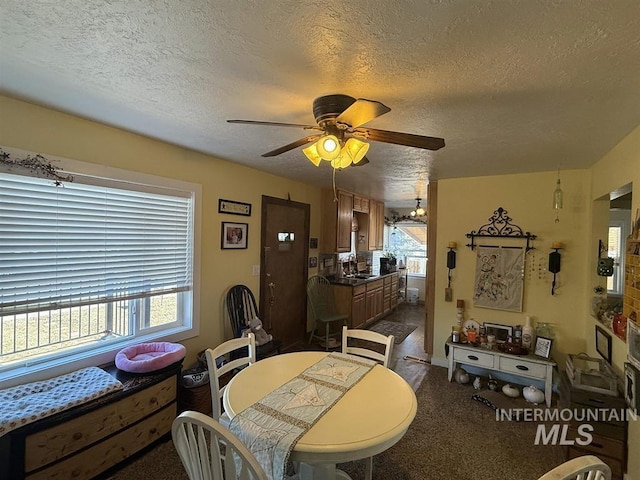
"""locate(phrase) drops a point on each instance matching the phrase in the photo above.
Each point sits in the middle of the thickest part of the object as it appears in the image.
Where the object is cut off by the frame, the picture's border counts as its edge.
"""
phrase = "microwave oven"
(633, 343)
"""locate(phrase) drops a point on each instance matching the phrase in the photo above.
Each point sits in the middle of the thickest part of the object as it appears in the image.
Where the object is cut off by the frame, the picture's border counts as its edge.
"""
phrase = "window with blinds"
(90, 263)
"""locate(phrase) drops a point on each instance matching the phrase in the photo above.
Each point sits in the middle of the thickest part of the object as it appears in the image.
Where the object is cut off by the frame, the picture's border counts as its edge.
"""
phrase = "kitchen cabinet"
(365, 302)
(360, 204)
(386, 302)
(375, 299)
(336, 221)
(376, 225)
(358, 307)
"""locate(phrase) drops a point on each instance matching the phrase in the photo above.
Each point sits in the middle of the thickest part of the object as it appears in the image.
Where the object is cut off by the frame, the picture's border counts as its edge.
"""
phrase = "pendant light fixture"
(557, 197)
(418, 211)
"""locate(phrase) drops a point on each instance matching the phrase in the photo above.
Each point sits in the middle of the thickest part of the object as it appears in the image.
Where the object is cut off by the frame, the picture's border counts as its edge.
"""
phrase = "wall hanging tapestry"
(499, 278)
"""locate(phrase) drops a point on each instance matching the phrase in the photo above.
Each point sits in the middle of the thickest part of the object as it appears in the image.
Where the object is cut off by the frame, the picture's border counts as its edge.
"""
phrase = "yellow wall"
(28, 127)
(619, 167)
(465, 204)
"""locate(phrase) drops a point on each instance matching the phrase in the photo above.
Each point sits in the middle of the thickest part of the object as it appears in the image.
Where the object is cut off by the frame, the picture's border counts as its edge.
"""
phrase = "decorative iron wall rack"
(500, 226)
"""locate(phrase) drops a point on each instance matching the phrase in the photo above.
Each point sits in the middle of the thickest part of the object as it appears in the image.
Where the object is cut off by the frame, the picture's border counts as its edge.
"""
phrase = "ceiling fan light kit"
(339, 118)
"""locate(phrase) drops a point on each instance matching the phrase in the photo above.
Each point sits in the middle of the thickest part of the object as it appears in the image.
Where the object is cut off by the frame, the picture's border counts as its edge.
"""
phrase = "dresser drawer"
(473, 358)
(62, 440)
(104, 455)
(523, 367)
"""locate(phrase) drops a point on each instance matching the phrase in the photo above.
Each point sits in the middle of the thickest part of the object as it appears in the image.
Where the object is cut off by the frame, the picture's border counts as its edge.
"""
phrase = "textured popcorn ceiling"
(512, 86)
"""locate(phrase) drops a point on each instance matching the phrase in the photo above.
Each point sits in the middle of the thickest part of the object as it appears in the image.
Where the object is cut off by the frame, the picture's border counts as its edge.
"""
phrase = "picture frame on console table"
(543, 347)
(502, 332)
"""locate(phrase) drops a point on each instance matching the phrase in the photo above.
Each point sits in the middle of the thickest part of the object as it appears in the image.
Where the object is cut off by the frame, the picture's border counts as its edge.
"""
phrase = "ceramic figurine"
(477, 383)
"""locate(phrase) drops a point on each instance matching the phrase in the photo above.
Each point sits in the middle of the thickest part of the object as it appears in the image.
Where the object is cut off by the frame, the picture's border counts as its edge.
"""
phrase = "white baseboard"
(440, 362)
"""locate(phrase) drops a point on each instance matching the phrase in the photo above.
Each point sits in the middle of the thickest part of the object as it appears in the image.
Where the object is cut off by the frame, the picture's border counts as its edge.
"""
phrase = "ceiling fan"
(341, 136)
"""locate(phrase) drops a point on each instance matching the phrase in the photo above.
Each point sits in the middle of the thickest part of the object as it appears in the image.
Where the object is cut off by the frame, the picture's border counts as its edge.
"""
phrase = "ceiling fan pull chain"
(335, 194)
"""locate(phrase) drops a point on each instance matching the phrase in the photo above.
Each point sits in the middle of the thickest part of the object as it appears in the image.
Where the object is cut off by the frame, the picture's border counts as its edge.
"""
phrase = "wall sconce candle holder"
(451, 264)
(554, 264)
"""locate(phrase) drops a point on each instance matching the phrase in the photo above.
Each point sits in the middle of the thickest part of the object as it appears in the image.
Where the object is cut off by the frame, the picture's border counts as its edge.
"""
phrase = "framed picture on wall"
(234, 235)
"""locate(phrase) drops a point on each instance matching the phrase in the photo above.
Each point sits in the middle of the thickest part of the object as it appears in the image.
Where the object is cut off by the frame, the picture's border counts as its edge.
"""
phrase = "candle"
(453, 244)
(556, 245)
(460, 303)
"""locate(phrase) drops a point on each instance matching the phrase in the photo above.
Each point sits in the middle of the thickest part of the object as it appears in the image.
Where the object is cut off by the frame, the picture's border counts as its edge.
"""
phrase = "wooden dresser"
(609, 433)
(85, 441)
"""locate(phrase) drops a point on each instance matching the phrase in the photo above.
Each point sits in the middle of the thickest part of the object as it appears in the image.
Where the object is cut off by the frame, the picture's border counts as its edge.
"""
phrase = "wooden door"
(284, 268)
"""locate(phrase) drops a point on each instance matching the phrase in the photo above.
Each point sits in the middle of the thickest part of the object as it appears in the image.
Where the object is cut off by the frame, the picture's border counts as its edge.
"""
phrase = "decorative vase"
(533, 395)
(511, 391)
(619, 325)
(461, 376)
(493, 385)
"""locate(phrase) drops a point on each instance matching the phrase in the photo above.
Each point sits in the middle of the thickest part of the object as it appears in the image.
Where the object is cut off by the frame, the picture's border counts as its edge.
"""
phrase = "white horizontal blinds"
(83, 244)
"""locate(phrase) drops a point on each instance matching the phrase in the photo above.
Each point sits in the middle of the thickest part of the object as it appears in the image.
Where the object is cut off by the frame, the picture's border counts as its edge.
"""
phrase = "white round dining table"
(371, 417)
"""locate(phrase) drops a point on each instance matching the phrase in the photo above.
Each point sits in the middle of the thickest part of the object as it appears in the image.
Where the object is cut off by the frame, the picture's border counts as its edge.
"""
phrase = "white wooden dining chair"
(360, 348)
(237, 353)
(198, 439)
(587, 467)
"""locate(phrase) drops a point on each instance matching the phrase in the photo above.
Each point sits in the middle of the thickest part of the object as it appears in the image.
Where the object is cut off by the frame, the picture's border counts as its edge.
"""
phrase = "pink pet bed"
(149, 357)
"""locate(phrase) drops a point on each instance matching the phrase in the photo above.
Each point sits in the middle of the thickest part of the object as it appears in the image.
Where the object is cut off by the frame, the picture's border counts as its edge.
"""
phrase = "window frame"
(106, 354)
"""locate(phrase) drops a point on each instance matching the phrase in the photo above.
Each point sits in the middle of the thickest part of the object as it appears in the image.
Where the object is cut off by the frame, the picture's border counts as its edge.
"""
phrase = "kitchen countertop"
(353, 281)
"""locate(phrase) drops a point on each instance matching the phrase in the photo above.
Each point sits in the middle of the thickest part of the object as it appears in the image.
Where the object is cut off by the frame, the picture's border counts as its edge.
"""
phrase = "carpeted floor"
(452, 437)
(400, 331)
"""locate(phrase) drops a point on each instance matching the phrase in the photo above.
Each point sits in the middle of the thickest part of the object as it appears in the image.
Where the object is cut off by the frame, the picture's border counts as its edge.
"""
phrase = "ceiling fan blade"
(361, 111)
(406, 139)
(276, 124)
(363, 161)
(291, 146)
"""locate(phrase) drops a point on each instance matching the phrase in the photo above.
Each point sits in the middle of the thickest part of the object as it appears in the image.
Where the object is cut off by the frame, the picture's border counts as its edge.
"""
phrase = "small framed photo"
(502, 333)
(603, 343)
(313, 262)
(234, 235)
(234, 208)
(313, 242)
(543, 347)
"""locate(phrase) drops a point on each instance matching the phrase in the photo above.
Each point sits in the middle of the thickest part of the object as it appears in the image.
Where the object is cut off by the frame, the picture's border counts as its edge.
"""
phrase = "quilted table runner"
(271, 427)
(27, 403)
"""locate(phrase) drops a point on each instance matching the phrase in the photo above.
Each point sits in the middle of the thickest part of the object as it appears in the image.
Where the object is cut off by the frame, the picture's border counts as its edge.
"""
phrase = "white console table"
(525, 366)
